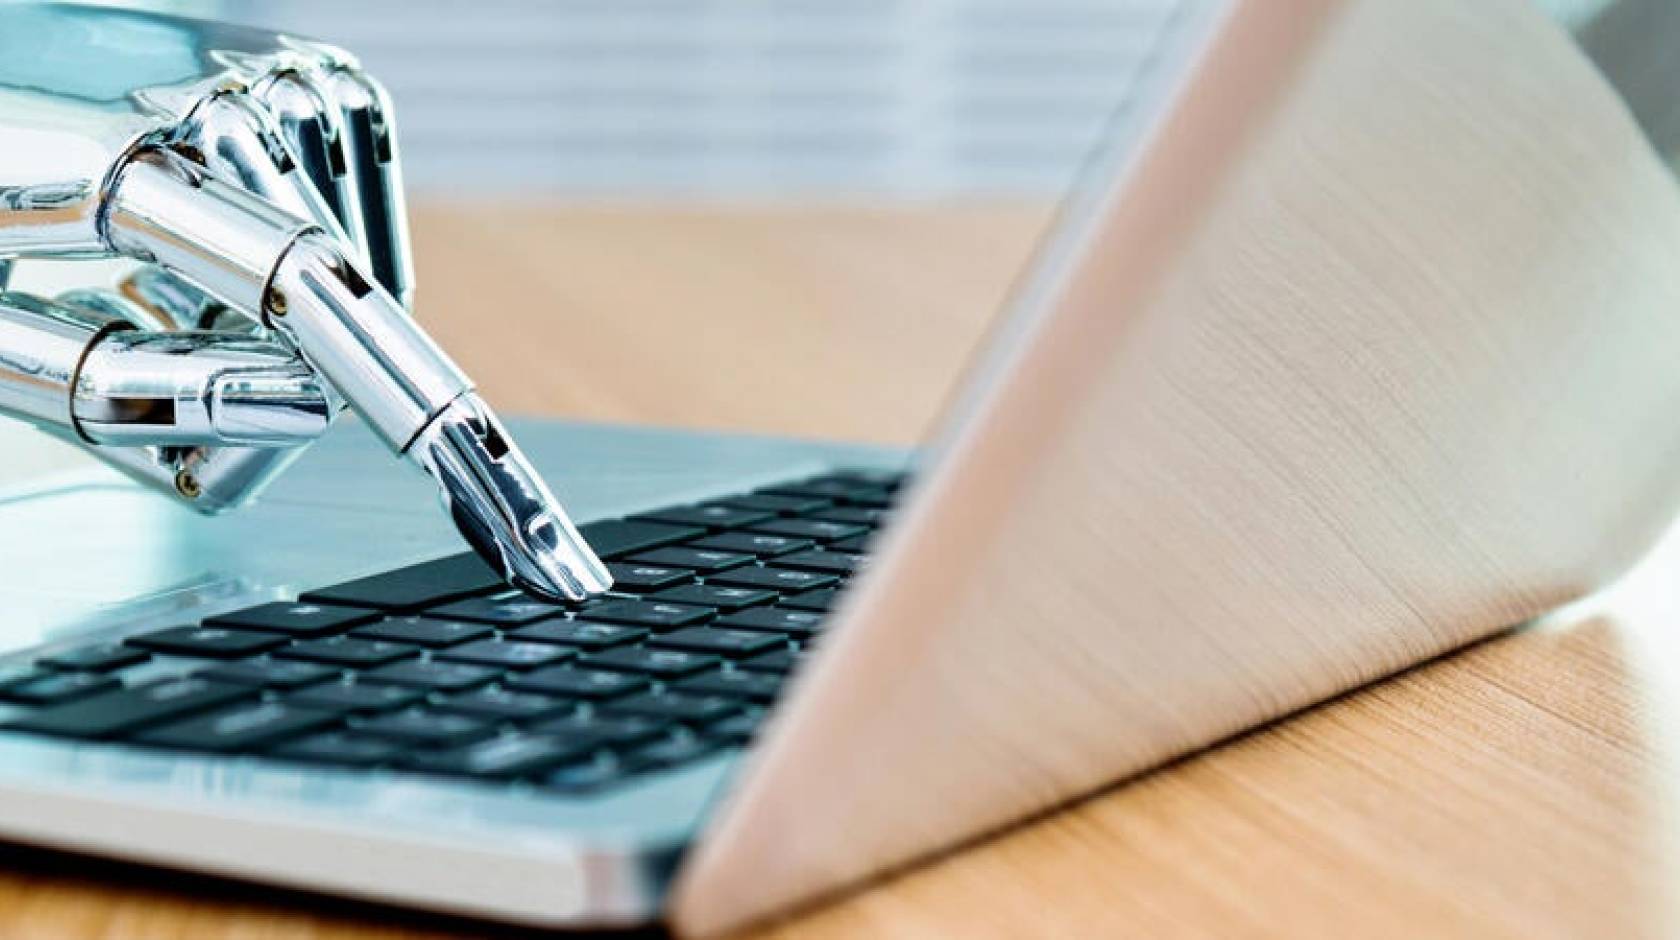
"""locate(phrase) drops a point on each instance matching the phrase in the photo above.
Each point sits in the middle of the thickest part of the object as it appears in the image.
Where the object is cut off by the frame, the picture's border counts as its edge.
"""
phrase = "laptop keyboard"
(438, 668)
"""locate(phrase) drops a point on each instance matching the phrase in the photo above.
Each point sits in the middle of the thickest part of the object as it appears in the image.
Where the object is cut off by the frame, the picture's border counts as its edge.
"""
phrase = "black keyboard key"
(615, 538)
(618, 730)
(712, 517)
(774, 579)
(432, 676)
(704, 561)
(836, 563)
(239, 727)
(738, 728)
(207, 642)
(424, 727)
(116, 712)
(818, 530)
(870, 477)
(779, 505)
(515, 755)
(675, 706)
(757, 544)
(631, 577)
(669, 752)
(349, 652)
(721, 597)
(782, 661)
(661, 664)
(587, 776)
(50, 688)
(579, 633)
(428, 583)
(344, 697)
(852, 515)
(817, 601)
(269, 673)
(423, 631)
(834, 488)
(653, 615)
(799, 623)
(593, 684)
(723, 642)
(752, 686)
(340, 748)
(300, 620)
(509, 609)
(506, 655)
(501, 704)
(856, 545)
(101, 657)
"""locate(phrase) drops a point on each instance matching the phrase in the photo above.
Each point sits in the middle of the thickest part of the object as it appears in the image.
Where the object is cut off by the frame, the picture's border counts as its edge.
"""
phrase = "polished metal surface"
(341, 513)
(254, 176)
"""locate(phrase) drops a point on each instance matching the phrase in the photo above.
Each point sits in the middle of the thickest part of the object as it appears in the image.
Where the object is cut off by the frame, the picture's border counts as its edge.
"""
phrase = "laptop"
(1348, 353)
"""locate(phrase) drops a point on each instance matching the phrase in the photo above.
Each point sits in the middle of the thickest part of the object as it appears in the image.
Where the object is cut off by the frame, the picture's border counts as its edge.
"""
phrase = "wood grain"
(1523, 788)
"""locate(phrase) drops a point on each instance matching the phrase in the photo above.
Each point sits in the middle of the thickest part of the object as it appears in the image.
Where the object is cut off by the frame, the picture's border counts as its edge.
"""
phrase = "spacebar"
(110, 714)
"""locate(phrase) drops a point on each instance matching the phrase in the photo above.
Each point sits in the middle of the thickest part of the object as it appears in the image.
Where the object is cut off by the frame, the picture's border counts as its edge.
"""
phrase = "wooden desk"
(1523, 788)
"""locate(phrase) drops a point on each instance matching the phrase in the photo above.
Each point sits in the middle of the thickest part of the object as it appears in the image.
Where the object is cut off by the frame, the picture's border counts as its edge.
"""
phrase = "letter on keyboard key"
(113, 713)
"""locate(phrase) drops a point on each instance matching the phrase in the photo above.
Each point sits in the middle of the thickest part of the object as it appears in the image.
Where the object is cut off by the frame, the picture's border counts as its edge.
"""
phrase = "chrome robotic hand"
(247, 186)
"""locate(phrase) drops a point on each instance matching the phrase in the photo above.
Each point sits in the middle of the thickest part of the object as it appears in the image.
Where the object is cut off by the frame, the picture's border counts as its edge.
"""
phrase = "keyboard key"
(339, 748)
(580, 683)
(421, 585)
(783, 661)
(349, 652)
(774, 579)
(662, 664)
(620, 730)
(101, 657)
(53, 687)
(836, 563)
(115, 712)
(579, 633)
(817, 601)
(856, 545)
(504, 655)
(505, 704)
(704, 561)
(818, 530)
(738, 728)
(207, 642)
(757, 544)
(879, 479)
(431, 676)
(719, 596)
(638, 578)
(799, 623)
(615, 538)
(239, 727)
(269, 673)
(779, 505)
(423, 631)
(834, 488)
(354, 697)
(300, 620)
(675, 706)
(753, 686)
(851, 515)
(514, 755)
(424, 727)
(586, 776)
(510, 609)
(656, 616)
(723, 642)
(712, 517)
(669, 752)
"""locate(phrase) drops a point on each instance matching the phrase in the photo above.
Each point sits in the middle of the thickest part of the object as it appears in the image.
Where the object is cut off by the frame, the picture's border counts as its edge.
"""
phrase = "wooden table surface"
(1522, 788)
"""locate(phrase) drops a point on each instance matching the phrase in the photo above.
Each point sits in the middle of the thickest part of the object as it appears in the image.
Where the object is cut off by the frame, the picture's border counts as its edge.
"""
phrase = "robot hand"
(248, 184)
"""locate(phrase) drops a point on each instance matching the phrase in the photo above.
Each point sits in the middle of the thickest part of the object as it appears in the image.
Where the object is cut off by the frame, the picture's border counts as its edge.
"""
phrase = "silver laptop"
(1276, 412)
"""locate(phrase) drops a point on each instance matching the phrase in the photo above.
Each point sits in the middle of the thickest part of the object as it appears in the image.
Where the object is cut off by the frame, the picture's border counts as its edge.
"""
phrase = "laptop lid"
(1366, 353)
